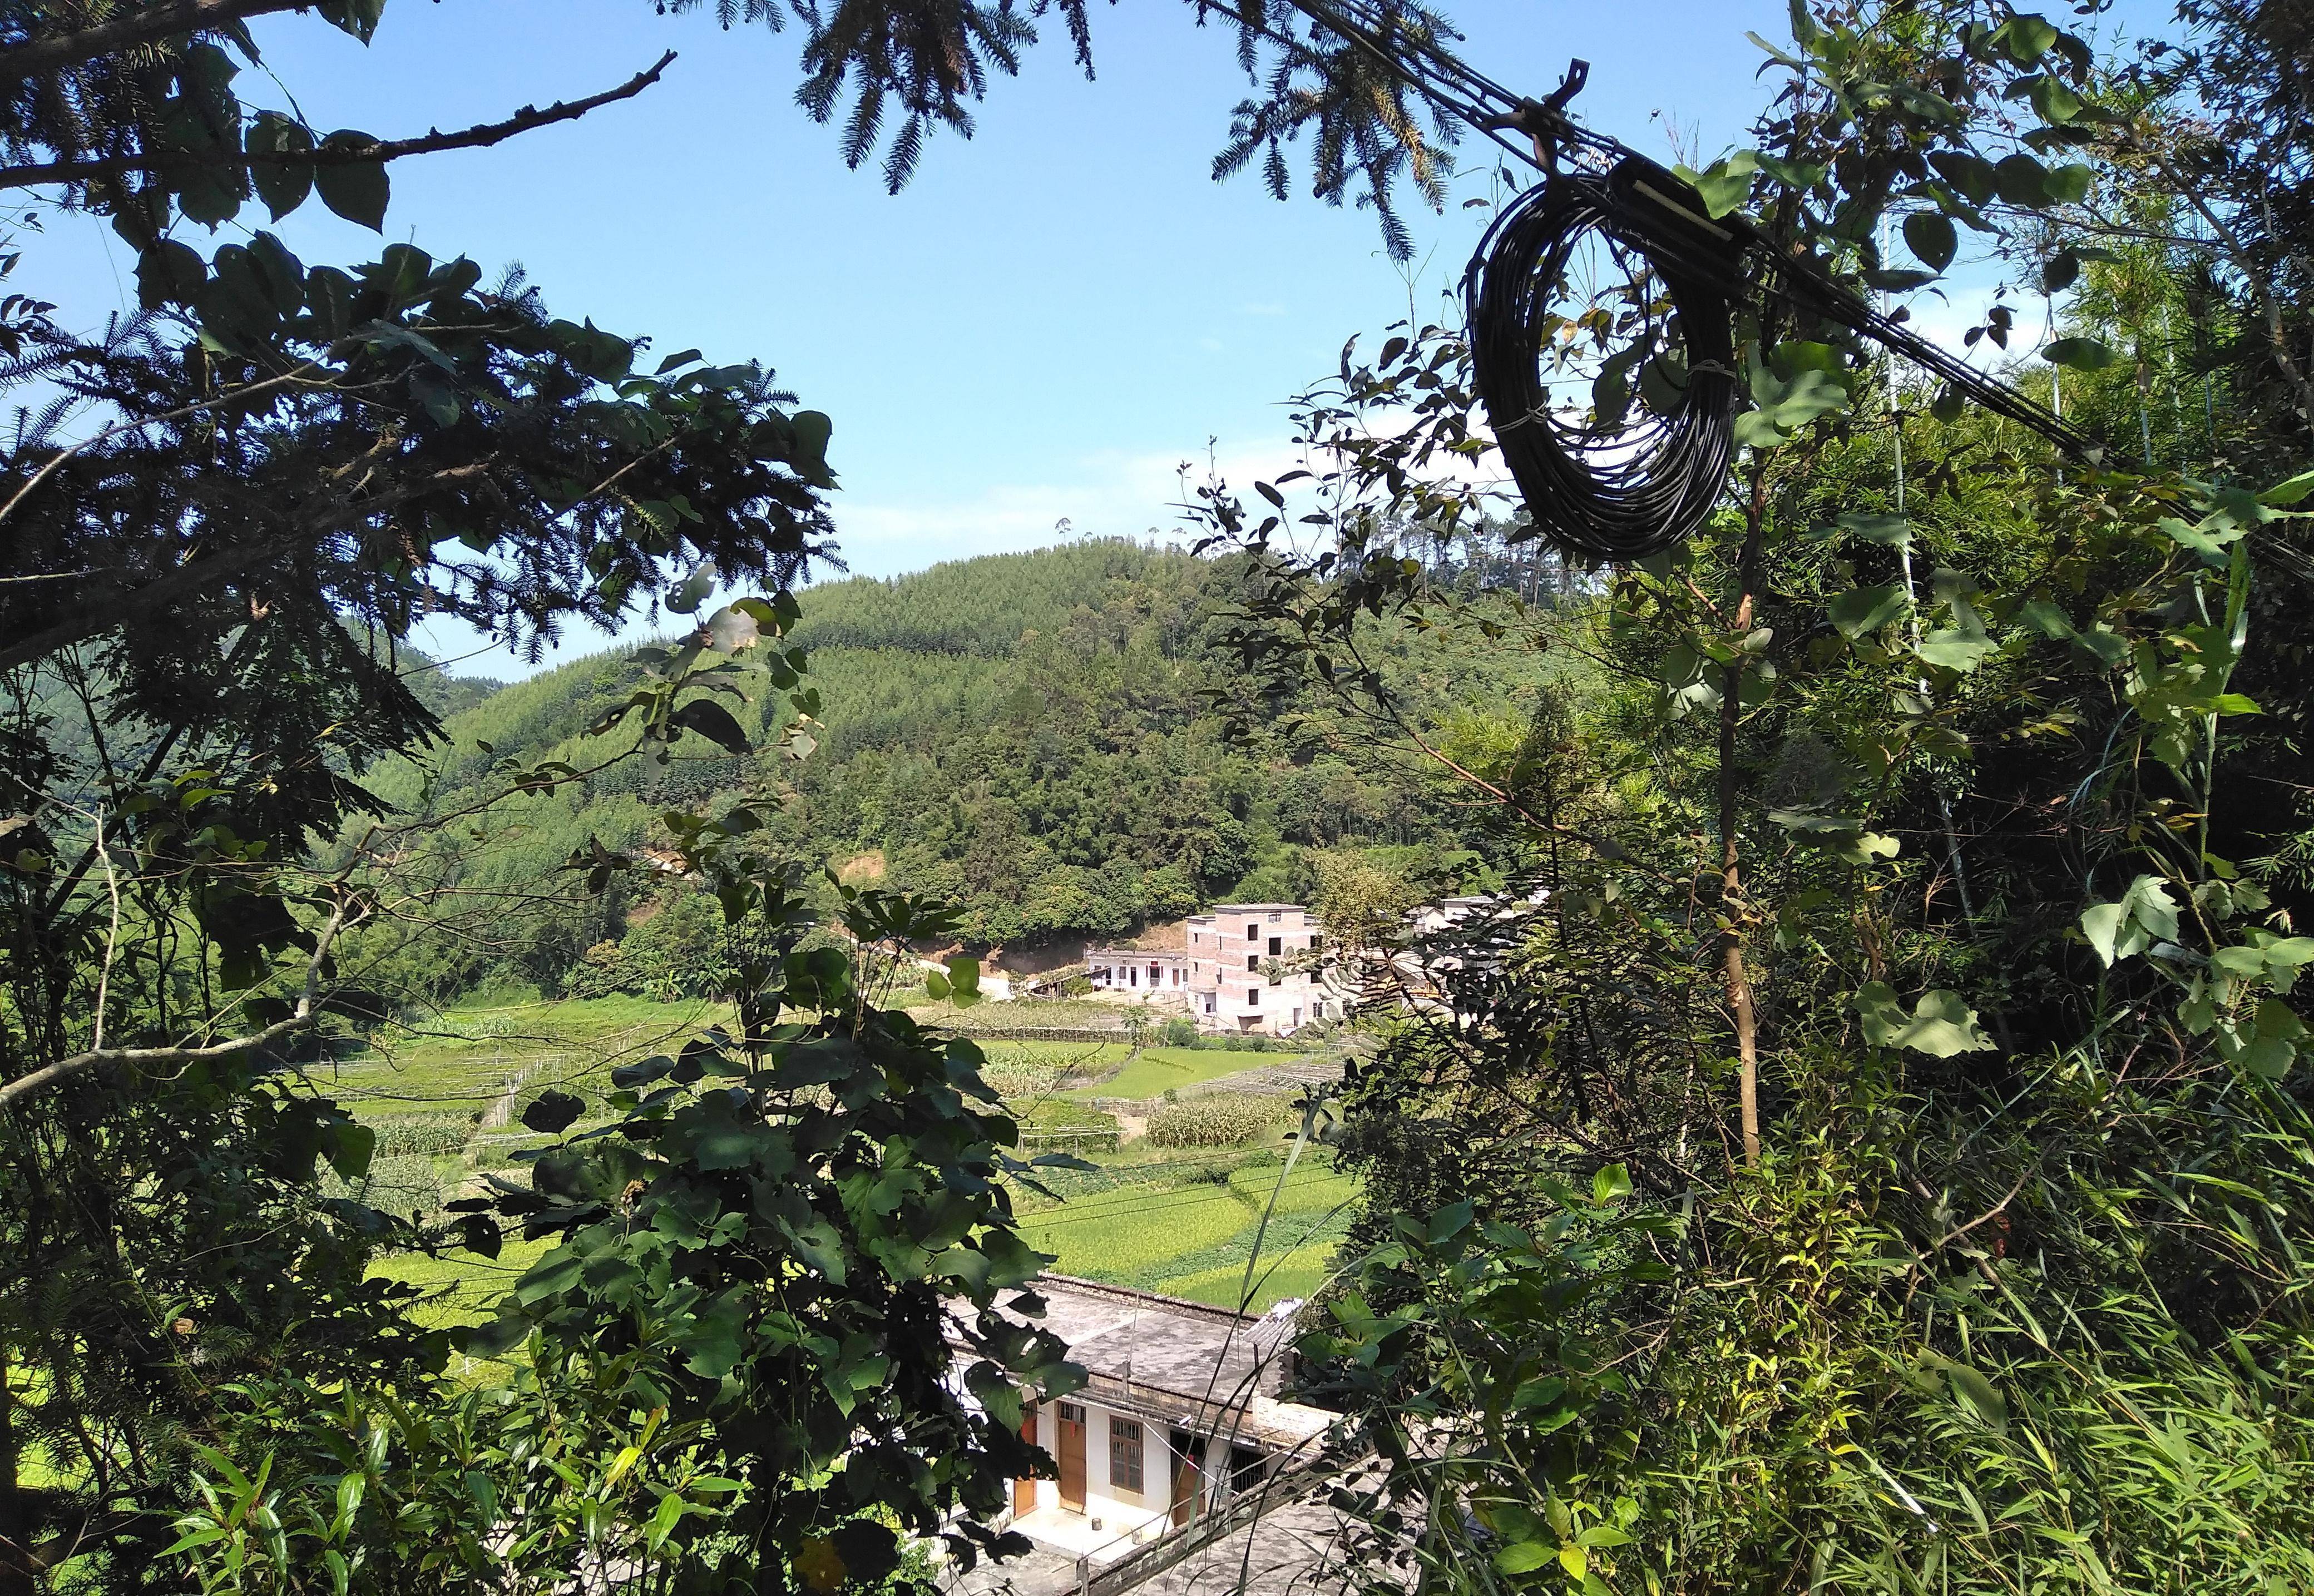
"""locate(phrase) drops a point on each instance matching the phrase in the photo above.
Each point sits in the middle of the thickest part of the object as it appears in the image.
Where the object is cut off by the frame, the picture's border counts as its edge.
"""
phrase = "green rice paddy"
(447, 1104)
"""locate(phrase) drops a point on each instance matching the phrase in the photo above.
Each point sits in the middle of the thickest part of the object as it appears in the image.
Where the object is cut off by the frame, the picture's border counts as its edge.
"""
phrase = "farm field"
(446, 1105)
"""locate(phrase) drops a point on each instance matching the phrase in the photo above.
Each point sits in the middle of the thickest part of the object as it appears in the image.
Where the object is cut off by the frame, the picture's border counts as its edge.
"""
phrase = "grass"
(469, 1286)
(1185, 1226)
(1131, 1236)
(1296, 1273)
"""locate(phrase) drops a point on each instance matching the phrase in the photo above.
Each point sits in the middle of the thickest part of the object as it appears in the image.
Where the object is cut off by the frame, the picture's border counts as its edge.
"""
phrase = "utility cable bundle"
(1606, 490)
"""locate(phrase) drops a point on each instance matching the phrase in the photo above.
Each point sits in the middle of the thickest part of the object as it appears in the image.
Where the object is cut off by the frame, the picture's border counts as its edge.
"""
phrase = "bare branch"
(389, 149)
(163, 1058)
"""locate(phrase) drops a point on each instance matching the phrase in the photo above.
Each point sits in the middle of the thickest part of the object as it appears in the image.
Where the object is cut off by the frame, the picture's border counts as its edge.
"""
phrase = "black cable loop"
(1618, 493)
(1626, 492)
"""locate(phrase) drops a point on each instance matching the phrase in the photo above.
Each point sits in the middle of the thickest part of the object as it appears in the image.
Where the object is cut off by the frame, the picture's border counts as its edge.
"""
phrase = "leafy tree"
(1844, 1178)
(221, 518)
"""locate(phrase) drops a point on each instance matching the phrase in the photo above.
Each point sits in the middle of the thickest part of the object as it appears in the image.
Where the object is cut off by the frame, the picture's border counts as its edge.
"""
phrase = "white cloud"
(1116, 493)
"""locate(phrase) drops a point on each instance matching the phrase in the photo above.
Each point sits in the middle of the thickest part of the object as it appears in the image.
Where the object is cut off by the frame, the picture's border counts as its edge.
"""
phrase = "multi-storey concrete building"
(1243, 968)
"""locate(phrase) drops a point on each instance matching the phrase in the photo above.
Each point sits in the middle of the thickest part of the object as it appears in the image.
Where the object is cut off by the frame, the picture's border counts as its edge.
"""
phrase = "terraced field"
(446, 1105)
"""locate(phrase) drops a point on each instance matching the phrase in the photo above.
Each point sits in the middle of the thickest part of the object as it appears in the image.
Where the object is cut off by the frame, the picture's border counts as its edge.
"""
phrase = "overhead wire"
(1622, 487)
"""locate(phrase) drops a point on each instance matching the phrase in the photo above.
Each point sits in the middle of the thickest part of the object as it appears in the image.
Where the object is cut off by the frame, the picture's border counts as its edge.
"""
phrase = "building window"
(1253, 997)
(1276, 946)
(1125, 1454)
(1253, 961)
(1209, 1002)
(1316, 941)
(1251, 930)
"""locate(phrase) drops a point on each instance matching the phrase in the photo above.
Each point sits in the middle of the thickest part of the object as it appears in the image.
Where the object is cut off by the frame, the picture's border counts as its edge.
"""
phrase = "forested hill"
(1022, 734)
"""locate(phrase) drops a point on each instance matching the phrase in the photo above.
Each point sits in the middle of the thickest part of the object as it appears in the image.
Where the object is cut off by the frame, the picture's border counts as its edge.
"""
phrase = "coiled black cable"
(1608, 492)
(1617, 492)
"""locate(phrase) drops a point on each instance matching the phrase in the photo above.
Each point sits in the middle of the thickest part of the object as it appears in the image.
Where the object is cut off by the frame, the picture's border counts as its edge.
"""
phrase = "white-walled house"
(1180, 1415)
(1244, 967)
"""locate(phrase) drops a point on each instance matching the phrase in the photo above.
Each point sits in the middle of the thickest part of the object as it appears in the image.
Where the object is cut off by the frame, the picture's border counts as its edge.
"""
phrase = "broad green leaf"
(1958, 648)
(554, 1112)
(283, 185)
(1723, 185)
(2081, 354)
(1941, 1023)
(1930, 235)
(2027, 37)
(2070, 184)
(2102, 924)
(552, 1276)
(2209, 544)
(2022, 181)
(1786, 404)
(731, 629)
(2057, 105)
(1972, 176)
(2268, 1058)
(1862, 611)
(2290, 491)
(358, 191)
(2143, 915)
(349, 1148)
(712, 721)
(693, 590)
(813, 429)
(1524, 1557)
(1890, 532)
(1978, 1394)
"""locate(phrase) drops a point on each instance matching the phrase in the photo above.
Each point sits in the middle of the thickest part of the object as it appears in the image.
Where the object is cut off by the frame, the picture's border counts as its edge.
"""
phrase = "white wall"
(1120, 1509)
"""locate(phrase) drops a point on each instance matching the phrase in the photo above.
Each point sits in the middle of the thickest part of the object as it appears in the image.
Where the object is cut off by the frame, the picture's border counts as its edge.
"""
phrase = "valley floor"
(447, 1100)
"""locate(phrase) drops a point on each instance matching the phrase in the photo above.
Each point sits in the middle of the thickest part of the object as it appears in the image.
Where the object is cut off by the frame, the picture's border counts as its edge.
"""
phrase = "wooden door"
(1024, 1491)
(1188, 1477)
(1072, 1457)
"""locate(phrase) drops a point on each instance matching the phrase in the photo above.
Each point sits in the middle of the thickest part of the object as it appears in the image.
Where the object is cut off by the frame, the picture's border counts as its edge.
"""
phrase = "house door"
(1024, 1491)
(1188, 1477)
(1072, 1457)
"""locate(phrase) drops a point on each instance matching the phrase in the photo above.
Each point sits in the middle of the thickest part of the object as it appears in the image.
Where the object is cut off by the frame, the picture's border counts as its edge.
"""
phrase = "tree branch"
(132, 27)
(378, 149)
(307, 1012)
(117, 608)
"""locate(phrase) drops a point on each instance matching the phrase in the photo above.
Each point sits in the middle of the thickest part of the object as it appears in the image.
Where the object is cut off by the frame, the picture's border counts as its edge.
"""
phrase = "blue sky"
(1047, 320)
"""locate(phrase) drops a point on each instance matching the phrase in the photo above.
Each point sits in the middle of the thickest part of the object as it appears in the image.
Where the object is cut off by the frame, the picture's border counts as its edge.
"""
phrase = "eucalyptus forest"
(1863, 1141)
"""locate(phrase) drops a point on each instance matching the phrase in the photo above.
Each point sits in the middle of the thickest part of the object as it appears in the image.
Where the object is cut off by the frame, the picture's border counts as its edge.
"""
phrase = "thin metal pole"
(1905, 555)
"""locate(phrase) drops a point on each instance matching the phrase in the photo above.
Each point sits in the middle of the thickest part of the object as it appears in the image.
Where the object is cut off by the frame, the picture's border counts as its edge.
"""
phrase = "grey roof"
(1183, 1348)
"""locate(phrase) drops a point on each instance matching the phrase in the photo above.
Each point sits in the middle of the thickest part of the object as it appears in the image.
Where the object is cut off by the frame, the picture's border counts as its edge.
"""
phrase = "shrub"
(1223, 1120)
(1180, 1031)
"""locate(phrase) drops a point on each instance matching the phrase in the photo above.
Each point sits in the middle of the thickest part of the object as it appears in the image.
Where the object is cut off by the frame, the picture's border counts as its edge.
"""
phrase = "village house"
(1180, 1417)
(1244, 967)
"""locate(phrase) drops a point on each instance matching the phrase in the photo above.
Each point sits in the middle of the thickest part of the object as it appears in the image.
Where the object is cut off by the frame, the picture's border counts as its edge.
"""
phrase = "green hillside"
(1025, 736)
